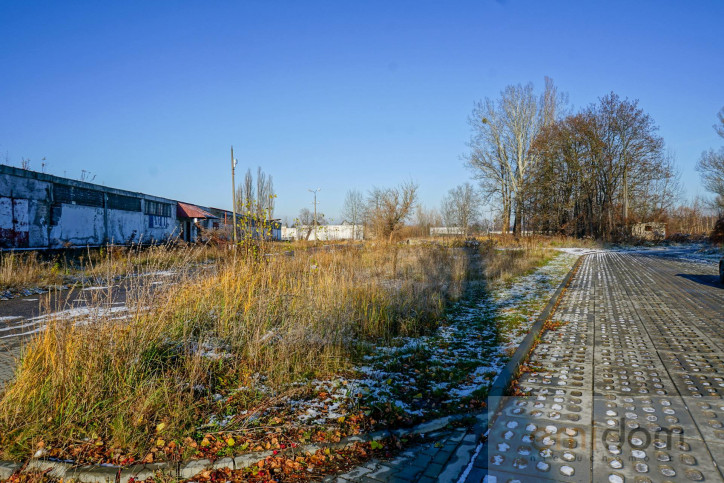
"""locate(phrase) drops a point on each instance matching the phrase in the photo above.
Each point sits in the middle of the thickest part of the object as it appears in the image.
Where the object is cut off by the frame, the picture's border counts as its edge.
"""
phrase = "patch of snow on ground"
(466, 354)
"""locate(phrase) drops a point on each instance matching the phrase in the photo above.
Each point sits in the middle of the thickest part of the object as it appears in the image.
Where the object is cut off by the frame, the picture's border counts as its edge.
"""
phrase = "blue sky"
(149, 96)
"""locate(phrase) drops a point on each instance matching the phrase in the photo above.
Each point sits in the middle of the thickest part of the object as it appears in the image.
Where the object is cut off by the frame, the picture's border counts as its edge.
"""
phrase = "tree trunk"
(518, 221)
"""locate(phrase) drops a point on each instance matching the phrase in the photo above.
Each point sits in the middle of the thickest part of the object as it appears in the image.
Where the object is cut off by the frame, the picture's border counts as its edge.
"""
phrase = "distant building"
(39, 210)
(447, 231)
(193, 220)
(345, 231)
(652, 230)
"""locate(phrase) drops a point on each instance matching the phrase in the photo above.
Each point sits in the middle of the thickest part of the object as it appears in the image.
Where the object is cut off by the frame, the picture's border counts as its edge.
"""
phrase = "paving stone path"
(628, 389)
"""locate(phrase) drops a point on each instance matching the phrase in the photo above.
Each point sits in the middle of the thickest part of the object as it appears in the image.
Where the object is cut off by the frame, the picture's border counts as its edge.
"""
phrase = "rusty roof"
(185, 210)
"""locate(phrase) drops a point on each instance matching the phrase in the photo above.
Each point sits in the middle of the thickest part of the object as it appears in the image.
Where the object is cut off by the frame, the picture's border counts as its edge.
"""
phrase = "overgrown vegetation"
(283, 317)
(124, 386)
(26, 269)
(29, 269)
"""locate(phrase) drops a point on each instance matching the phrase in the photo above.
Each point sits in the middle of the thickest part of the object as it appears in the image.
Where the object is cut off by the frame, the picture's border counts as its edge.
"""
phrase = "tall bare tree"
(256, 197)
(245, 196)
(271, 197)
(503, 132)
(711, 168)
(305, 217)
(353, 209)
(354, 206)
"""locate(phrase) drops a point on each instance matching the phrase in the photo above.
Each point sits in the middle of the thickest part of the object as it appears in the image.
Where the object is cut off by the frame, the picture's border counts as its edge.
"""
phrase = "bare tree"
(256, 197)
(353, 209)
(711, 168)
(271, 197)
(598, 169)
(388, 208)
(719, 128)
(693, 217)
(503, 132)
(305, 217)
(245, 197)
(461, 207)
(305, 220)
(424, 219)
(261, 194)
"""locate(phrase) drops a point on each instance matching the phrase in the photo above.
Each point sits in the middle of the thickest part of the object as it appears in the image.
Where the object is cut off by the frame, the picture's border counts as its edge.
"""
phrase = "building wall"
(38, 210)
(323, 232)
(446, 230)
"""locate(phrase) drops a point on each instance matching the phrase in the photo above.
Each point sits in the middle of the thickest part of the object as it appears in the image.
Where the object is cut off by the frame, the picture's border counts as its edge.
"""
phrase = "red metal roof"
(185, 210)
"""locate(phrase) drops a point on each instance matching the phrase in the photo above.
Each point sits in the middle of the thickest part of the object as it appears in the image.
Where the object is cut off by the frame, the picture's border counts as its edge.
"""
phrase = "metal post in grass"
(233, 196)
(314, 191)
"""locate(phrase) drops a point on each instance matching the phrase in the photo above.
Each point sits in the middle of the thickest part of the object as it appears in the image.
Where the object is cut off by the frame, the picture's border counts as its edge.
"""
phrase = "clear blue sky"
(149, 96)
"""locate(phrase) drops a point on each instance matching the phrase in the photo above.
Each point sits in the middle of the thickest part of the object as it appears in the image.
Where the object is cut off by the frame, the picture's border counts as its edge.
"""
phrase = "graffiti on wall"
(14, 226)
(155, 221)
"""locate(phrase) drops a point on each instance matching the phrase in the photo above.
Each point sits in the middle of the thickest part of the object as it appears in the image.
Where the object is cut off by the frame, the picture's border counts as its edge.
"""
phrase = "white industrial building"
(345, 231)
(39, 210)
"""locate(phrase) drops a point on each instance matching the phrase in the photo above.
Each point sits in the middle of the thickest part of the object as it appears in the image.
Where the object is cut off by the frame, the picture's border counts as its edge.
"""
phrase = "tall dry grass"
(509, 263)
(29, 269)
(284, 318)
(21, 270)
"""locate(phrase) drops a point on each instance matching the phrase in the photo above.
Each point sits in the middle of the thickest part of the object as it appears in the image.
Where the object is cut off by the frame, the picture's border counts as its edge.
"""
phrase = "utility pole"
(314, 191)
(233, 195)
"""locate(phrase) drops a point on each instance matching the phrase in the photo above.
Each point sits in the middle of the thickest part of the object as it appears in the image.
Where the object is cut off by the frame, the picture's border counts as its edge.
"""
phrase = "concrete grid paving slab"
(640, 361)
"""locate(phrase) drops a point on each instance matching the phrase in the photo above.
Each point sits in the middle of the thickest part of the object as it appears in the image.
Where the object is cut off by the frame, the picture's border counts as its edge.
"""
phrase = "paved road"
(629, 389)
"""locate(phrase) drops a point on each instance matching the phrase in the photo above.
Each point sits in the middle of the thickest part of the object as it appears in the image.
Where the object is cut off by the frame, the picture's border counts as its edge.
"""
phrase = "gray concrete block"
(249, 459)
(193, 468)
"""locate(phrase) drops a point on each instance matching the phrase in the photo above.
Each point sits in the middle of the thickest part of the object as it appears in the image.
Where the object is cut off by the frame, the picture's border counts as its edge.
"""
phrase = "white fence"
(446, 230)
(324, 232)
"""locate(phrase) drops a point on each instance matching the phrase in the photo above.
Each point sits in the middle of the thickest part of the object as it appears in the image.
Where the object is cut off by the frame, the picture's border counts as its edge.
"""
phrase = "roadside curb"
(184, 470)
(506, 377)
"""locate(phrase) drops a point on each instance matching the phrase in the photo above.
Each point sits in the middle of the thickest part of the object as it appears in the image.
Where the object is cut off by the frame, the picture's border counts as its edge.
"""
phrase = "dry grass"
(28, 270)
(20, 270)
(510, 263)
(285, 318)
(216, 328)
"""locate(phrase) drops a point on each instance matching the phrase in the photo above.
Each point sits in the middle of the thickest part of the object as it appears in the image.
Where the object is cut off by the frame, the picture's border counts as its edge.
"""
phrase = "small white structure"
(447, 231)
(344, 231)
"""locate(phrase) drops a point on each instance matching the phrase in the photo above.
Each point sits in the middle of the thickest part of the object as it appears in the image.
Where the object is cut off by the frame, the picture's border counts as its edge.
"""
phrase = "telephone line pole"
(314, 191)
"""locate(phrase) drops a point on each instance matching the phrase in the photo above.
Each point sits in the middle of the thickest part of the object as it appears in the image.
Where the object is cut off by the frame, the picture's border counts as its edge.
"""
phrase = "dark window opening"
(158, 209)
(78, 196)
(125, 203)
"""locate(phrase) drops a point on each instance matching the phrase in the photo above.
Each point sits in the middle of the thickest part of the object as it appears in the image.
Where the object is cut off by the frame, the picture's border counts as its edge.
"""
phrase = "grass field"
(215, 352)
